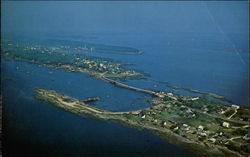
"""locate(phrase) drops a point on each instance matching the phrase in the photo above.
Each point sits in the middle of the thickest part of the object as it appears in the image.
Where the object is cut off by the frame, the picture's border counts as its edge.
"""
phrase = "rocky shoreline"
(200, 148)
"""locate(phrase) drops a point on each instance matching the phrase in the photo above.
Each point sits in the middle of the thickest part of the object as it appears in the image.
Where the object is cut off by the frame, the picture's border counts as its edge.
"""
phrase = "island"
(204, 127)
(86, 47)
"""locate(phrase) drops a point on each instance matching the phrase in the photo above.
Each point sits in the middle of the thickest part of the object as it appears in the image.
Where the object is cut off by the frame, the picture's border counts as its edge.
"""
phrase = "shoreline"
(83, 109)
(197, 124)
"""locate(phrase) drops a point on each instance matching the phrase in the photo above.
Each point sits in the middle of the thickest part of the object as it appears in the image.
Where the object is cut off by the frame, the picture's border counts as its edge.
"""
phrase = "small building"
(170, 94)
(176, 128)
(225, 124)
(205, 109)
(235, 106)
(222, 112)
(164, 123)
(215, 135)
(185, 125)
(193, 99)
(212, 140)
(203, 134)
(160, 95)
(186, 128)
(200, 127)
(143, 116)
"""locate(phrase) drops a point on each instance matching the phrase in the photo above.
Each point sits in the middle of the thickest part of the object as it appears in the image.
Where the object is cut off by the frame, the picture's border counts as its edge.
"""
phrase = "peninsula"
(201, 126)
(56, 58)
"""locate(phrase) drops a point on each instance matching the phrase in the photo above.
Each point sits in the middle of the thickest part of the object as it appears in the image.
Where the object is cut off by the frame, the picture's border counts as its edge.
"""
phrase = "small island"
(202, 126)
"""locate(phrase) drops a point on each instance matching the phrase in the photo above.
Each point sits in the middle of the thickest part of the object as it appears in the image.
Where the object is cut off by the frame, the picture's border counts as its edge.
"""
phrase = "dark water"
(32, 127)
(198, 45)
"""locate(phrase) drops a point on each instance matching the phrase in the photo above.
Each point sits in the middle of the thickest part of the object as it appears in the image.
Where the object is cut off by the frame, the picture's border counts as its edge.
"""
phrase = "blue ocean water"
(32, 127)
(197, 45)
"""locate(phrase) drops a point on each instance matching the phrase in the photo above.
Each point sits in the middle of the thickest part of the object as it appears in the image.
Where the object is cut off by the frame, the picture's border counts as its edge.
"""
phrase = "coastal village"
(170, 117)
(56, 58)
(197, 120)
(208, 122)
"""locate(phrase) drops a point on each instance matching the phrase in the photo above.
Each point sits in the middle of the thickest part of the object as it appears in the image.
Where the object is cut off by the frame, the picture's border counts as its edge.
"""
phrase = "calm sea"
(183, 45)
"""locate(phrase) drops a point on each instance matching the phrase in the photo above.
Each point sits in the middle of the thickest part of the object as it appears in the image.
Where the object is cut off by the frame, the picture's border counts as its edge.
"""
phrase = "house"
(222, 112)
(164, 123)
(176, 128)
(235, 106)
(200, 127)
(203, 134)
(185, 125)
(186, 129)
(225, 124)
(170, 94)
(193, 99)
(212, 140)
(160, 95)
